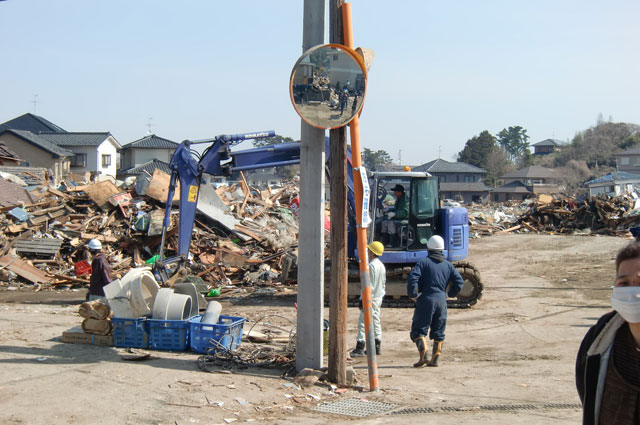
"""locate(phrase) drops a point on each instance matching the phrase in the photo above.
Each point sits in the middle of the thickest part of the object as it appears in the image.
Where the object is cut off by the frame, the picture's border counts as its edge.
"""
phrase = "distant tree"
(375, 159)
(515, 141)
(597, 145)
(286, 172)
(572, 175)
(526, 159)
(497, 164)
(477, 149)
(259, 143)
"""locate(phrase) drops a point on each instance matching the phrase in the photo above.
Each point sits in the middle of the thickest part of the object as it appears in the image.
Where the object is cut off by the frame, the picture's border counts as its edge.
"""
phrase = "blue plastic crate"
(169, 335)
(132, 333)
(206, 338)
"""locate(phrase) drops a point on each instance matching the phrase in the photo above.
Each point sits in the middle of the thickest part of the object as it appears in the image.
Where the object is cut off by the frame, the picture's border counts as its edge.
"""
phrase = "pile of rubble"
(488, 219)
(241, 234)
(603, 214)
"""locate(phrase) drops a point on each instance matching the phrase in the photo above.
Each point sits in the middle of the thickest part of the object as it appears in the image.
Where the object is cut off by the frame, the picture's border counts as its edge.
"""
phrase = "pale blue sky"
(444, 70)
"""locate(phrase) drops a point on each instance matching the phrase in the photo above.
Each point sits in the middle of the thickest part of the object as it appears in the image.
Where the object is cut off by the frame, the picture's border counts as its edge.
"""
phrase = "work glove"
(391, 214)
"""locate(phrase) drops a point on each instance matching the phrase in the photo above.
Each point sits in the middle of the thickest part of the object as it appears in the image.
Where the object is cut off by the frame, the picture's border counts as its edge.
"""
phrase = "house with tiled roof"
(458, 180)
(526, 183)
(145, 150)
(36, 151)
(33, 123)
(146, 168)
(614, 184)
(628, 160)
(93, 152)
(546, 147)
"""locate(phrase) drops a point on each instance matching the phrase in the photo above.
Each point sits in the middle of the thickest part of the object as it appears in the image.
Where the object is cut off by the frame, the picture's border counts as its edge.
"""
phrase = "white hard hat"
(436, 243)
(95, 244)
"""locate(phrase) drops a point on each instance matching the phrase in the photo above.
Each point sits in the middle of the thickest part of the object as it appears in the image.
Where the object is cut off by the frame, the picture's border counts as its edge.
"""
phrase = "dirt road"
(508, 360)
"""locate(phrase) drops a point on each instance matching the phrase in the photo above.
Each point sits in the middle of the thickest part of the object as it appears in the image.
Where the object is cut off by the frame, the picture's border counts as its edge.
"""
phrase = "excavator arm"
(187, 168)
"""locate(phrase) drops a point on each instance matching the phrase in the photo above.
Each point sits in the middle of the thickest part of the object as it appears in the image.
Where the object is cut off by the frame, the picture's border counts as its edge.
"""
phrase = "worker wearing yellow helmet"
(378, 277)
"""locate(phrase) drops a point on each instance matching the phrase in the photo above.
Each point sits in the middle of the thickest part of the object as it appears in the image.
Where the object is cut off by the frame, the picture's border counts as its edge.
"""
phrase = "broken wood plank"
(100, 193)
(101, 238)
(23, 269)
(35, 246)
(57, 193)
(246, 231)
(70, 278)
(511, 229)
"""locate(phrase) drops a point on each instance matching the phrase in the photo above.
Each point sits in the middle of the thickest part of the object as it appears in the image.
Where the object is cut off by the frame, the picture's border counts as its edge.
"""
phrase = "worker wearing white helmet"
(378, 277)
(100, 270)
(427, 285)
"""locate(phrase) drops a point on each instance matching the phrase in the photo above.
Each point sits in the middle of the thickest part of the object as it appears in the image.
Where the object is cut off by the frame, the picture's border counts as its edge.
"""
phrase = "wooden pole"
(338, 208)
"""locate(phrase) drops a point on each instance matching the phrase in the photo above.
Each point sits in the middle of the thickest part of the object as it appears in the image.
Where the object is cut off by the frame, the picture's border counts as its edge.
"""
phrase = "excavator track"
(396, 287)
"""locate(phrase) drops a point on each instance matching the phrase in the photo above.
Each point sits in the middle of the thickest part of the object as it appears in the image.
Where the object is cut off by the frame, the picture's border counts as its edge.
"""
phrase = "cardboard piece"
(158, 187)
(100, 193)
(75, 335)
(545, 199)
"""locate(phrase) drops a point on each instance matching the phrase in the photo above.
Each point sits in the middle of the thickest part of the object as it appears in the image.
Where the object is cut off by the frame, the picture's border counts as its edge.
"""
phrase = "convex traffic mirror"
(327, 85)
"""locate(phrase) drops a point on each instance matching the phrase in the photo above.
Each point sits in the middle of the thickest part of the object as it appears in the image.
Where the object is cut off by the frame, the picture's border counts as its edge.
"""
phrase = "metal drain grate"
(356, 407)
(494, 407)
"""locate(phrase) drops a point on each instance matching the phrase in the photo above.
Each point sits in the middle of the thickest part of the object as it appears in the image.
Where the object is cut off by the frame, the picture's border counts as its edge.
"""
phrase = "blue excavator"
(426, 215)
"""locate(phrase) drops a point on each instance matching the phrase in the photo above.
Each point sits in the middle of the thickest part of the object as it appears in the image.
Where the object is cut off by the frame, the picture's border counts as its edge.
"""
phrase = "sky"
(443, 71)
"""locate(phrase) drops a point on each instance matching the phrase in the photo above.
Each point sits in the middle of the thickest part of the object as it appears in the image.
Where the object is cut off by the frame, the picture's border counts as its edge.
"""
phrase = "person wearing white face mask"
(608, 363)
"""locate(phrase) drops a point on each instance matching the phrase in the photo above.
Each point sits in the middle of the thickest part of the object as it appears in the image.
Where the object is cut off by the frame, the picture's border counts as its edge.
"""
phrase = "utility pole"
(311, 228)
(359, 180)
(35, 102)
(338, 208)
(399, 156)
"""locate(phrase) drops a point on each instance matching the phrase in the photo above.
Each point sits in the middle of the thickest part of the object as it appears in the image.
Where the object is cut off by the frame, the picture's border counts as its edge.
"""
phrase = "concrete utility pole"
(311, 231)
(339, 271)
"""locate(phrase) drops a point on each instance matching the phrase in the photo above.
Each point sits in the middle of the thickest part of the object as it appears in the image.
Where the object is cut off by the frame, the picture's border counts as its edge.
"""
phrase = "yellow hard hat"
(376, 247)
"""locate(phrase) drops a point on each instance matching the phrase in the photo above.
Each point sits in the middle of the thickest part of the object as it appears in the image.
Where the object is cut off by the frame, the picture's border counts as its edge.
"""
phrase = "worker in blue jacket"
(427, 285)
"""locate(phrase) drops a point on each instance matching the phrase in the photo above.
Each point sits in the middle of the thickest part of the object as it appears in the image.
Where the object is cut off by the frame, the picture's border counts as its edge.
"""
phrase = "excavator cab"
(412, 232)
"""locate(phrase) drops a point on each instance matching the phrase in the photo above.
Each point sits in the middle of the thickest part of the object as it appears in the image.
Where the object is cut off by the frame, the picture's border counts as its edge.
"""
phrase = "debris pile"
(241, 234)
(268, 343)
(486, 220)
(603, 214)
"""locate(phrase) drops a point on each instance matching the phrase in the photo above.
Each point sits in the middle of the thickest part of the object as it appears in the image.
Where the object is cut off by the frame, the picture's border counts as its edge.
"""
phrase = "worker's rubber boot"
(421, 343)
(437, 349)
(359, 350)
(378, 350)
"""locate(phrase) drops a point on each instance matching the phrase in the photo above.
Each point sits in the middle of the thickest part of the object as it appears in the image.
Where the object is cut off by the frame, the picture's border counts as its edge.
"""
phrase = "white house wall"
(90, 151)
(108, 147)
(142, 156)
